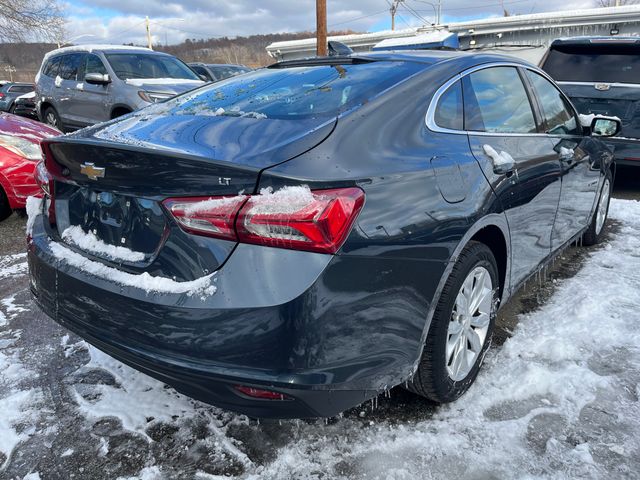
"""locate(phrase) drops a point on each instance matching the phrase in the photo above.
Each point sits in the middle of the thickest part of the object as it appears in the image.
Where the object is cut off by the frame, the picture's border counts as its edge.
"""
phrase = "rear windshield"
(291, 93)
(141, 65)
(589, 63)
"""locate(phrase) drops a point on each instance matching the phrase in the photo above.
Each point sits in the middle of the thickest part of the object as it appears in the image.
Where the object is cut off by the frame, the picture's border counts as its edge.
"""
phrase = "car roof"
(461, 59)
(596, 40)
(102, 48)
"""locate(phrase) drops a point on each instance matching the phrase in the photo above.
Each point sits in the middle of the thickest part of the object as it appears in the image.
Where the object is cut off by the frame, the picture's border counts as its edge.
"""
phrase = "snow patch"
(92, 244)
(139, 82)
(211, 204)
(147, 473)
(34, 208)
(201, 286)
(499, 159)
(288, 199)
(586, 120)
(13, 265)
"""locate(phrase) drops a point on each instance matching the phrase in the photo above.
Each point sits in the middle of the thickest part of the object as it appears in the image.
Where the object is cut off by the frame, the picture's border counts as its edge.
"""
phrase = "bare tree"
(23, 20)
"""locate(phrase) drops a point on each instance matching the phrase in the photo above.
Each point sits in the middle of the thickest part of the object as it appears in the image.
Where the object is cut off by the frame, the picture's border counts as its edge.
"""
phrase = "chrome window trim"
(431, 111)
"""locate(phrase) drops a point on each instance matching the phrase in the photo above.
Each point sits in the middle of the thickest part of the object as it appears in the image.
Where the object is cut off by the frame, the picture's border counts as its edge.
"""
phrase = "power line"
(359, 18)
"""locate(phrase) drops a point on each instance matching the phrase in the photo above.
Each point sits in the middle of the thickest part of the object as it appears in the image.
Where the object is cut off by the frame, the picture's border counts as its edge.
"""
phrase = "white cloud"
(122, 21)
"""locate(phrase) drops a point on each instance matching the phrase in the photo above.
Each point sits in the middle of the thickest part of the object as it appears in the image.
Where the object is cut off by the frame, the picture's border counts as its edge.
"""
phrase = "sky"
(123, 21)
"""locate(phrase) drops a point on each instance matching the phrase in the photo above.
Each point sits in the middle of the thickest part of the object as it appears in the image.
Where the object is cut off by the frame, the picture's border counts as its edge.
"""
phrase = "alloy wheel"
(51, 119)
(469, 323)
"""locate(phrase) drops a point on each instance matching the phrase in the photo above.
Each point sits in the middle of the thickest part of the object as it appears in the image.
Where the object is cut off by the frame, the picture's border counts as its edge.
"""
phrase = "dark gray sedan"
(293, 241)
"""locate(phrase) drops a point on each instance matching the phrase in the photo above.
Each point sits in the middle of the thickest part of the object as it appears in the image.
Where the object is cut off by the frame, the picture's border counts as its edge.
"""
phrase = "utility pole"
(321, 28)
(439, 13)
(150, 45)
(394, 8)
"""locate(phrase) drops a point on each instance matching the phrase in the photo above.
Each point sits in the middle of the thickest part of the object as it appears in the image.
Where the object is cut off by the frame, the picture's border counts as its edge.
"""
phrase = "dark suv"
(601, 75)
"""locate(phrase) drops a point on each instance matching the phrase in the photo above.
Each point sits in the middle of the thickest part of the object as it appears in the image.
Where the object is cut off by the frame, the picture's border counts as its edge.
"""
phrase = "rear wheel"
(461, 328)
(594, 235)
(5, 209)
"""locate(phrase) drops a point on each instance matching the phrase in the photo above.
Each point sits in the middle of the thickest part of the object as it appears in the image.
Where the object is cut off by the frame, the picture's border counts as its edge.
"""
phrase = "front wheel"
(461, 328)
(593, 235)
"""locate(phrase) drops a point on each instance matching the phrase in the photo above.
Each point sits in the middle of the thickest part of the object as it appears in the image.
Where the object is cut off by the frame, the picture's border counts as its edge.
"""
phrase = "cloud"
(122, 21)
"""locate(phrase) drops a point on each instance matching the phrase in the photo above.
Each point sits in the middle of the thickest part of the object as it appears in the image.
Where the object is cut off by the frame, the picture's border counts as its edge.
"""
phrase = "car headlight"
(21, 146)
(154, 97)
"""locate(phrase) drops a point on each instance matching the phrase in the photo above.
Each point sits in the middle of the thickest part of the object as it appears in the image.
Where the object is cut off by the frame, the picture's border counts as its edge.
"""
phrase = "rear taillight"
(261, 394)
(213, 217)
(293, 217)
(43, 179)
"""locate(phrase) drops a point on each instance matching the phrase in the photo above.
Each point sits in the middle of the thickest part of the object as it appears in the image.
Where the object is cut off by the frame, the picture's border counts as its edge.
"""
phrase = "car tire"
(441, 375)
(52, 118)
(594, 233)
(5, 208)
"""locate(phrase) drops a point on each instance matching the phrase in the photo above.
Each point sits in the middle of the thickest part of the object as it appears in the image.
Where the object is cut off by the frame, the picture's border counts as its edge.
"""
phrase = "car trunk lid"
(109, 185)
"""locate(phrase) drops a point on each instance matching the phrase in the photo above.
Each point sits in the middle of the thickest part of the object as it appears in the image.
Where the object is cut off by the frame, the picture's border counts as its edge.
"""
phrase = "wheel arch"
(493, 231)
(119, 109)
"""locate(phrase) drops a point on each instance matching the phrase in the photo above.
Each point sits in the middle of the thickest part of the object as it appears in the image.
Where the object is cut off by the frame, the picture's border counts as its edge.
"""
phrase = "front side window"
(93, 64)
(558, 116)
(449, 112)
(128, 66)
(496, 101)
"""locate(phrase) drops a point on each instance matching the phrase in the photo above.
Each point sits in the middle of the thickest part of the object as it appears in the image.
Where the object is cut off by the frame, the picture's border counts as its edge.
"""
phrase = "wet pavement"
(69, 411)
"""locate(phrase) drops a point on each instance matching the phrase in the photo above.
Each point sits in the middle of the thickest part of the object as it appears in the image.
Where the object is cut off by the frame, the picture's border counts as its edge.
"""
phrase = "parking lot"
(558, 397)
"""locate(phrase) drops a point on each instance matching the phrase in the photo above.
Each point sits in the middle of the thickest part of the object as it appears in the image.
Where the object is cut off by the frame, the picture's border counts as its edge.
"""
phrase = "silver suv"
(83, 85)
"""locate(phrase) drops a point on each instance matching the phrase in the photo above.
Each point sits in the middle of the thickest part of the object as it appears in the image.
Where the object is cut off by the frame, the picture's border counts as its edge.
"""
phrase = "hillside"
(26, 58)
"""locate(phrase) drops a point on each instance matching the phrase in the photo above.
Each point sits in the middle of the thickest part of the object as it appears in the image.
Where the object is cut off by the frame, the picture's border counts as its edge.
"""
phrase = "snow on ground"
(559, 399)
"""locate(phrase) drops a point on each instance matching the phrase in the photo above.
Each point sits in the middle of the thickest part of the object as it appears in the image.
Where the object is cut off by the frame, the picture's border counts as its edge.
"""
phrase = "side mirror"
(605, 126)
(204, 78)
(97, 79)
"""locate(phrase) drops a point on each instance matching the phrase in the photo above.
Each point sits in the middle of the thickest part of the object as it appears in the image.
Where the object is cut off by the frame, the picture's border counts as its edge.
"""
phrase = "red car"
(19, 154)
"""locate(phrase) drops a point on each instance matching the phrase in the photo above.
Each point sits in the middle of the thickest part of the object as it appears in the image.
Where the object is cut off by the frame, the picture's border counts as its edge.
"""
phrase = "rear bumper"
(293, 322)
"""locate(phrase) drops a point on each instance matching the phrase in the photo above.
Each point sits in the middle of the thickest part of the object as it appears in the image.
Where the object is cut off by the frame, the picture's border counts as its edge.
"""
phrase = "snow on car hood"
(174, 85)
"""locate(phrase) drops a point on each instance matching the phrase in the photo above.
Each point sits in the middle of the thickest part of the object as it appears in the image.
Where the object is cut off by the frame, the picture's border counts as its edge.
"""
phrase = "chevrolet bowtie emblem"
(91, 171)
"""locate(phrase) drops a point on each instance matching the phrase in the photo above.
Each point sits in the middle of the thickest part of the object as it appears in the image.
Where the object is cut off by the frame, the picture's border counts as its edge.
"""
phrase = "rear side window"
(449, 112)
(558, 116)
(69, 66)
(594, 63)
(21, 88)
(497, 101)
(51, 68)
(320, 91)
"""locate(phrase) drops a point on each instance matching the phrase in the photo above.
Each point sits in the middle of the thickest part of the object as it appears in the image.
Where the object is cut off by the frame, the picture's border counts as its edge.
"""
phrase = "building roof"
(569, 18)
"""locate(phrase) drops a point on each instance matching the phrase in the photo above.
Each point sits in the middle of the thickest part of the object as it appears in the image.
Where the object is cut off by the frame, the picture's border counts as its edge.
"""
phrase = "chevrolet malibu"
(296, 240)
